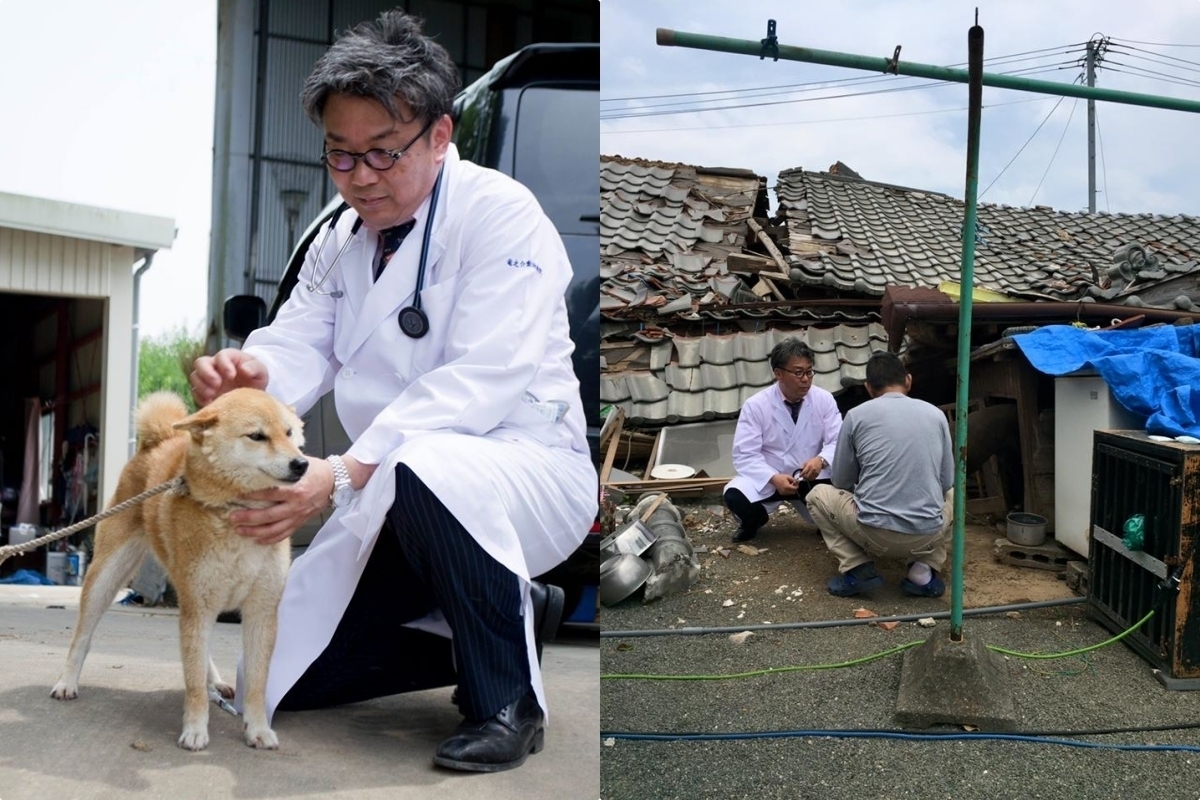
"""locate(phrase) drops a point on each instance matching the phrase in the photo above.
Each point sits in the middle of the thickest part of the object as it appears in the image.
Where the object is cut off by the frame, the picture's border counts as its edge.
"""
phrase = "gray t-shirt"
(894, 454)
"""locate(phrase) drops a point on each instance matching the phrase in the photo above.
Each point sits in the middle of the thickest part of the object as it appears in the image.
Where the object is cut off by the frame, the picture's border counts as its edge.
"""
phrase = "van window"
(556, 154)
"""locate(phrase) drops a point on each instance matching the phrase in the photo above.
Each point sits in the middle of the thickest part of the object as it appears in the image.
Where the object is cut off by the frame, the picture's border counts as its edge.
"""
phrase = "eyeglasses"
(377, 159)
(799, 373)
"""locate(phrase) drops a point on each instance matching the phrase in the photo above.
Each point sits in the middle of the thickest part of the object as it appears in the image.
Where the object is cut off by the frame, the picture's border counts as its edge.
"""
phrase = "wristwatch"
(824, 463)
(342, 492)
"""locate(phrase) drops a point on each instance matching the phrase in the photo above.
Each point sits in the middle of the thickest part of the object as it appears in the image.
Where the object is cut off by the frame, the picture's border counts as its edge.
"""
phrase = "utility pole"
(1091, 81)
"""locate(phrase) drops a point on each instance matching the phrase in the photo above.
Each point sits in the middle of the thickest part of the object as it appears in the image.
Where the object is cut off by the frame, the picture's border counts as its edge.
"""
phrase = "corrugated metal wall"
(38, 263)
(275, 175)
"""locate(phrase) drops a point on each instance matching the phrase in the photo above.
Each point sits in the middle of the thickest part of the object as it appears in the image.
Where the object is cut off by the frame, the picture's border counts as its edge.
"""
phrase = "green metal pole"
(970, 196)
(721, 44)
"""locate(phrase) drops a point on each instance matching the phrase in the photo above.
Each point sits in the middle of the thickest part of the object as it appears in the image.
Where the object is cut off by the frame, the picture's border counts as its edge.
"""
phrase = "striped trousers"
(424, 559)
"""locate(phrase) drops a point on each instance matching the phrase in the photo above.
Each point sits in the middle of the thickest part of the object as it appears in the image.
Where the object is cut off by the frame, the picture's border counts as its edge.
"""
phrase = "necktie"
(392, 239)
(794, 408)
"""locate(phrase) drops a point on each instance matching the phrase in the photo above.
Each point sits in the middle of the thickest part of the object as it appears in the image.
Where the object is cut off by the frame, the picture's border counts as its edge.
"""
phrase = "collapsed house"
(699, 282)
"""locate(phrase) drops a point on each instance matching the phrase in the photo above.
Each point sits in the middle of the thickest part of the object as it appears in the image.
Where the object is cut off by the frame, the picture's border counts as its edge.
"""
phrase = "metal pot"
(621, 576)
(1026, 529)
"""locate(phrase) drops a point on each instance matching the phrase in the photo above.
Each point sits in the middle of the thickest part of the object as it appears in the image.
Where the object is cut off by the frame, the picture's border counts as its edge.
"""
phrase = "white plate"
(665, 472)
(1154, 437)
(1187, 440)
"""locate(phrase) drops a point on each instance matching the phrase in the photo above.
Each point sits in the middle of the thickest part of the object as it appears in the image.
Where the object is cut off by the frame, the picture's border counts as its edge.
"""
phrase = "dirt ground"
(781, 576)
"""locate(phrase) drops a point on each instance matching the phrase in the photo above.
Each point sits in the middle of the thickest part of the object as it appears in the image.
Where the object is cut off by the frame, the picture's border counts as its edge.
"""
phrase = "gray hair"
(788, 349)
(382, 60)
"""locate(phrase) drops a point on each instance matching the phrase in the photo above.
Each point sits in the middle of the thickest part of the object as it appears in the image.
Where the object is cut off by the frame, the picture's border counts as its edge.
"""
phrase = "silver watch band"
(341, 475)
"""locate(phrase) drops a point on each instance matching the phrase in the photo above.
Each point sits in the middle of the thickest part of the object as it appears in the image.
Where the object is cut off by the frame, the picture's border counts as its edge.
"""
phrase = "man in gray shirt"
(892, 475)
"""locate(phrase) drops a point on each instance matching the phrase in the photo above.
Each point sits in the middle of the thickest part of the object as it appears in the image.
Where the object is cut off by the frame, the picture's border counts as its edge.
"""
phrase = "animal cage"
(1133, 474)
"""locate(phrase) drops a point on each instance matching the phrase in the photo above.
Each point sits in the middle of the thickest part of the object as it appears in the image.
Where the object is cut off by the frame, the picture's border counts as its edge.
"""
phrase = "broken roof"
(858, 236)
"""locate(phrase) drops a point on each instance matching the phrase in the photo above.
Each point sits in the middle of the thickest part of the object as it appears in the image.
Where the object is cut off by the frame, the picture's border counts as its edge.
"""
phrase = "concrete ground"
(117, 740)
(783, 580)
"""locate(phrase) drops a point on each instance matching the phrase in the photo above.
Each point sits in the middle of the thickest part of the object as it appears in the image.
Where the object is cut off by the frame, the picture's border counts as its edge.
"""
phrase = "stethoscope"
(412, 319)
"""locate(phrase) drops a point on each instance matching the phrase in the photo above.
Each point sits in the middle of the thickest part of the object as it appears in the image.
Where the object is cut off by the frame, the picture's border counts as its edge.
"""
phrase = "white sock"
(920, 573)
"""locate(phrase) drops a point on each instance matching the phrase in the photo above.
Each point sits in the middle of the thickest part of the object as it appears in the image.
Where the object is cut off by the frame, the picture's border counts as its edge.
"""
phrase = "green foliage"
(165, 361)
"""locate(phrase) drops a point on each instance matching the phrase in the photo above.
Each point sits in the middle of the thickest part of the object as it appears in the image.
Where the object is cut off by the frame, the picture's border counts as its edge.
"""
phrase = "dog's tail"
(155, 415)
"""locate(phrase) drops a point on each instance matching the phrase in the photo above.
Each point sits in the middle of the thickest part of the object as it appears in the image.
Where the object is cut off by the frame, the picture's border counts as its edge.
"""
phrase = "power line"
(1157, 44)
(1103, 166)
(733, 107)
(1066, 49)
(818, 121)
(1027, 141)
(1143, 73)
(1055, 153)
(1129, 51)
(644, 110)
(1154, 72)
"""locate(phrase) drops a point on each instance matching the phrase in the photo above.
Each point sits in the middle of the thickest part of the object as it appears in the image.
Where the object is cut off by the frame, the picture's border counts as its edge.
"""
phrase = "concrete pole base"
(956, 683)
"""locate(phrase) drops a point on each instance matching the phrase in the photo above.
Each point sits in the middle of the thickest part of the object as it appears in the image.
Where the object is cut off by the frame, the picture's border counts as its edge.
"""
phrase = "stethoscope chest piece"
(413, 322)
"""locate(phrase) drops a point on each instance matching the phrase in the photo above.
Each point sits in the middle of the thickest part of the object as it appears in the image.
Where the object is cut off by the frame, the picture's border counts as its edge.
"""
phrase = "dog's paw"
(64, 691)
(262, 737)
(194, 739)
(226, 691)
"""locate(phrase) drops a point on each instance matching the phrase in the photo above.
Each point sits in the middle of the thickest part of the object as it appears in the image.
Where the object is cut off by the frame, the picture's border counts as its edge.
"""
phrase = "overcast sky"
(111, 104)
(917, 138)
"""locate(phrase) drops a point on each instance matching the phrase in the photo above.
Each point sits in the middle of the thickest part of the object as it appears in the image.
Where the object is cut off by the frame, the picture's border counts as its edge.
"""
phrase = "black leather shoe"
(743, 534)
(498, 743)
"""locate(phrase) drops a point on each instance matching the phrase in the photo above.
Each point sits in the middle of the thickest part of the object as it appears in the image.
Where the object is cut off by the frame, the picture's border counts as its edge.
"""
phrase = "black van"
(533, 116)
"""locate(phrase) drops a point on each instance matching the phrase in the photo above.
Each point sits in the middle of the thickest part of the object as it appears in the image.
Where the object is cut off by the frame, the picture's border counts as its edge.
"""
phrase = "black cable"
(1055, 153)
(1103, 166)
(1152, 73)
(1154, 44)
(858, 80)
(737, 106)
(1027, 141)
(1125, 51)
(818, 121)
(1163, 80)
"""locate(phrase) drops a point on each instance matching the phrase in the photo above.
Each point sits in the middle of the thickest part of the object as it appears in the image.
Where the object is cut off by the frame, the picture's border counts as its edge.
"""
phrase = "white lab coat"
(468, 407)
(767, 442)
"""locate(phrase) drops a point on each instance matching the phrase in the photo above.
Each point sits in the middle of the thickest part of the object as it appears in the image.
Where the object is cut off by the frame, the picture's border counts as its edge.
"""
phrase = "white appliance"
(1082, 405)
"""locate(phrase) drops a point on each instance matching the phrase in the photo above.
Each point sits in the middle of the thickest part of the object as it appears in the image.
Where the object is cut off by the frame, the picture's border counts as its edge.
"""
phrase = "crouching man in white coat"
(784, 442)
(469, 470)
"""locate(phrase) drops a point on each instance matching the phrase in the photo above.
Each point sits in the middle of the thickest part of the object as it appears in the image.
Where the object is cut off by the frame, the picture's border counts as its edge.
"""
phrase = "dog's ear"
(197, 423)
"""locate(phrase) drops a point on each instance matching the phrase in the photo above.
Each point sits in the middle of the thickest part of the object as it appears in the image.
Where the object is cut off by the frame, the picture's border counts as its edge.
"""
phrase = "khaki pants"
(852, 543)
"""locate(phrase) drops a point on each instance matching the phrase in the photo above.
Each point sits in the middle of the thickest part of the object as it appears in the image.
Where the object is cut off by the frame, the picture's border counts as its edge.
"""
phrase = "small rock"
(141, 746)
(741, 615)
(889, 626)
(609, 742)
(724, 552)
(748, 549)
(701, 548)
(862, 613)
(727, 603)
(927, 622)
(740, 638)
(1013, 614)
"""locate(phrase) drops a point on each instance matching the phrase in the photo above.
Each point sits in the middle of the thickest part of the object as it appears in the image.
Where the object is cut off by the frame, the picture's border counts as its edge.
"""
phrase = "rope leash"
(14, 549)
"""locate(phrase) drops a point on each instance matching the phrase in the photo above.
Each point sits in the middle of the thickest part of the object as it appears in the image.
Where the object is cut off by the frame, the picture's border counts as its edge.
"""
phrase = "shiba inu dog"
(243, 441)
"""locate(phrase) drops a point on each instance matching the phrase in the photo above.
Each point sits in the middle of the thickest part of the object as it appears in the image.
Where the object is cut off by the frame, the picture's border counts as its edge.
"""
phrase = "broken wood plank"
(613, 441)
(748, 263)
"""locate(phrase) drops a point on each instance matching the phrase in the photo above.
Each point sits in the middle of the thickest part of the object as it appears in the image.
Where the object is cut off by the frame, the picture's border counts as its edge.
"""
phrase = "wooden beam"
(613, 440)
(748, 263)
(775, 255)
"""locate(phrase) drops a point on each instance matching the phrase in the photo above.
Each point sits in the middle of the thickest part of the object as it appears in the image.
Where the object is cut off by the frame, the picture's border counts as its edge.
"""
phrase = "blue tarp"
(1153, 372)
(28, 577)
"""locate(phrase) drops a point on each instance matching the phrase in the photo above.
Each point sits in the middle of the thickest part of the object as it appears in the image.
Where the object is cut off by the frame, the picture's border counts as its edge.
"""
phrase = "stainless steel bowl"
(621, 576)
(1026, 529)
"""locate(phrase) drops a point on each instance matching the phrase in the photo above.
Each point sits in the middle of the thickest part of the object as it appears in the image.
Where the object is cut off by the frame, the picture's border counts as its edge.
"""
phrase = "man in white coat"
(785, 439)
(469, 449)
